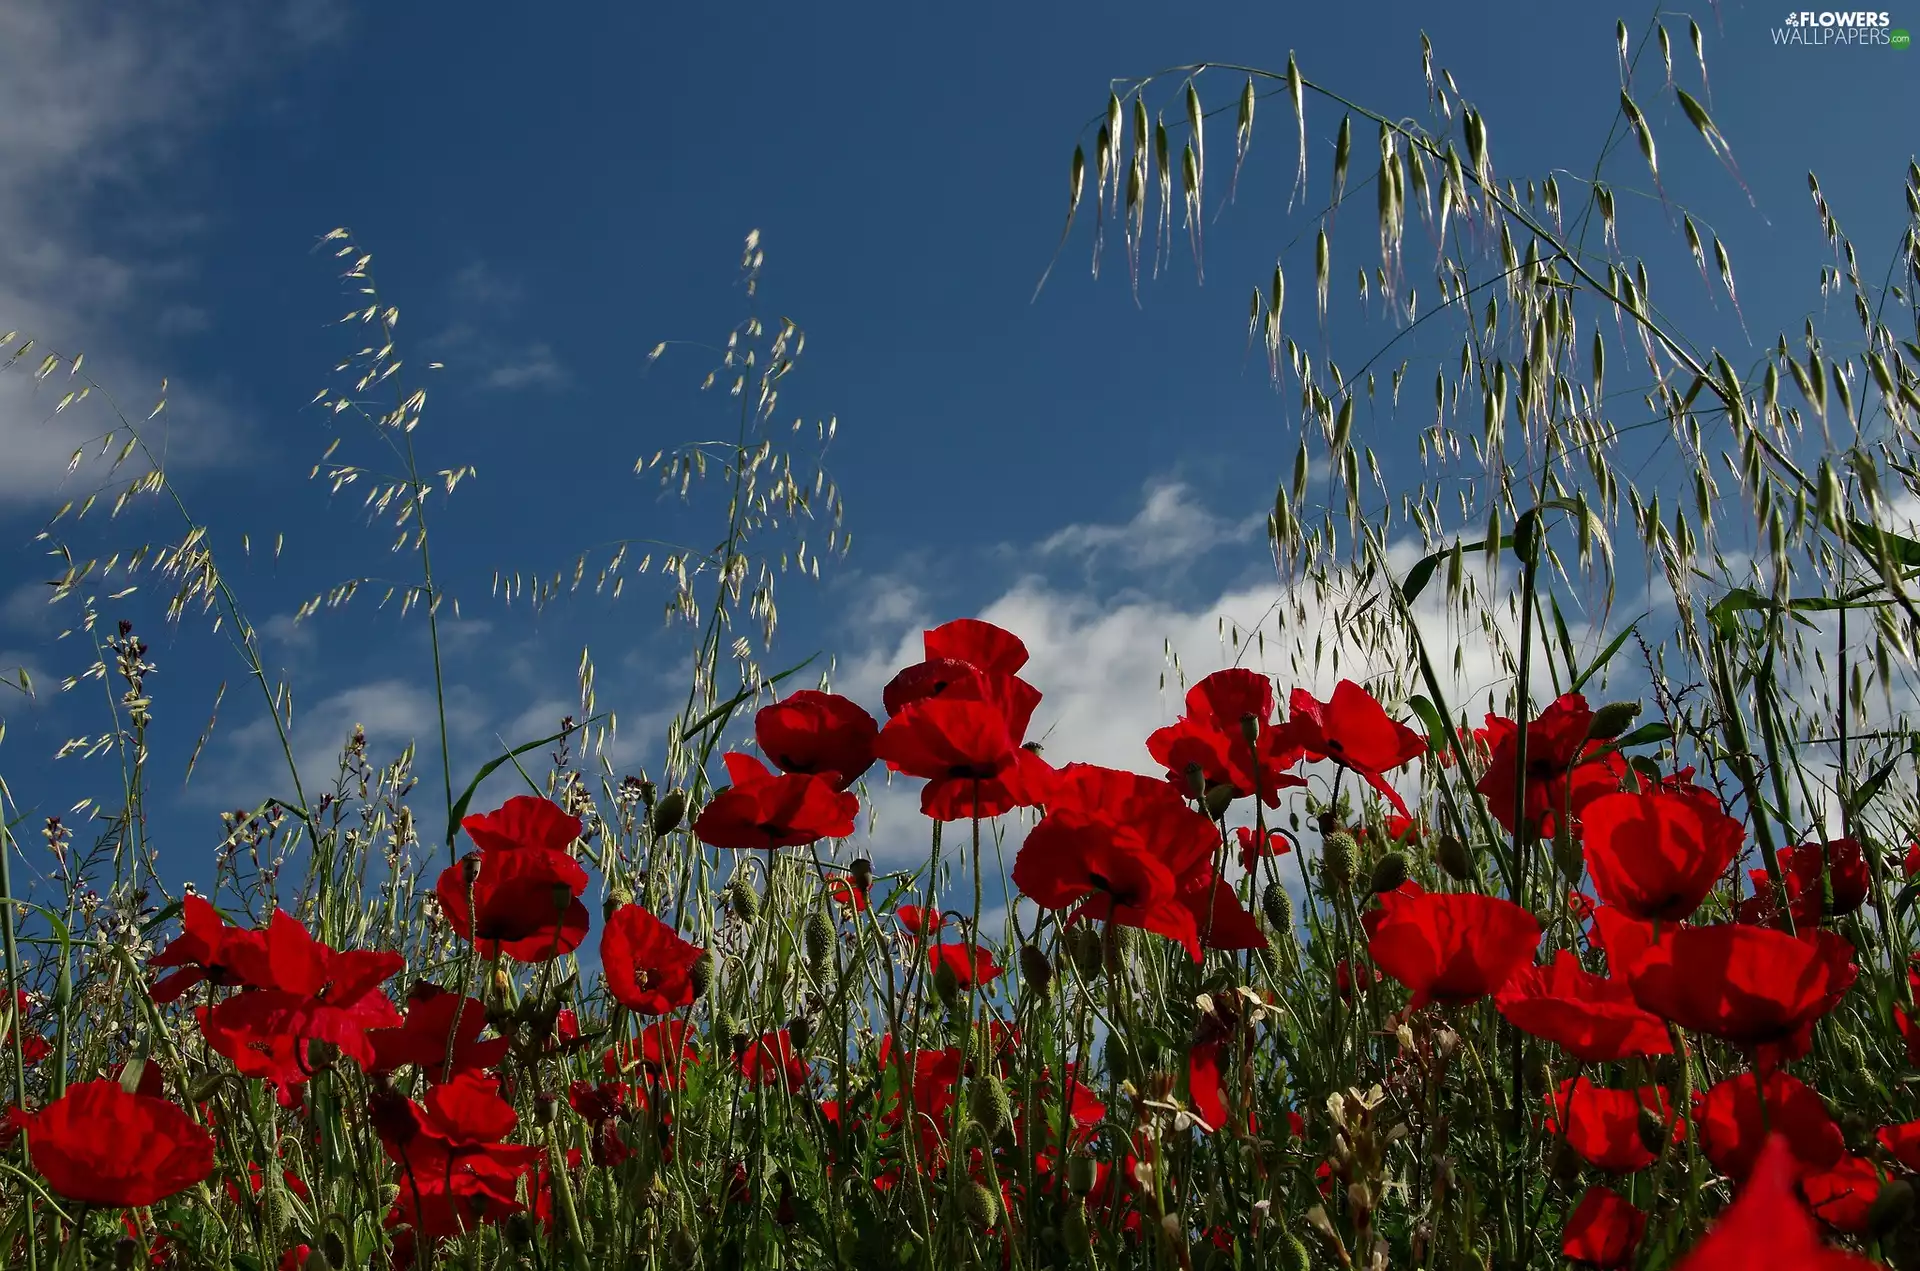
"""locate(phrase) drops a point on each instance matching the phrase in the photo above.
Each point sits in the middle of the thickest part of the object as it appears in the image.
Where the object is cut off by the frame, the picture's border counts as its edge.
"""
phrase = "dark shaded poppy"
(1752, 986)
(209, 948)
(772, 1061)
(1565, 769)
(1767, 1226)
(1841, 1195)
(647, 966)
(1354, 731)
(821, 734)
(525, 885)
(1603, 1126)
(102, 1146)
(1603, 1230)
(33, 1047)
(1827, 879)
(1656, 855)
(435, 1016)
(1453, 948)
(1733, 1127)
(764, 811)
(457, 1171)
(1902, 1143)
(1593, 1019)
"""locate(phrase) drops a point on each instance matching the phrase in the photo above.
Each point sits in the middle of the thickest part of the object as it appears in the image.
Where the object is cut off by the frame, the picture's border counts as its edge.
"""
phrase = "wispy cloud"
(1172, 526)
(474, 346)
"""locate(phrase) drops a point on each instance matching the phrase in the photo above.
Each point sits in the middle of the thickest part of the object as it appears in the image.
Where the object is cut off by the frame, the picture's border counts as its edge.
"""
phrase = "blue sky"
(548, 199)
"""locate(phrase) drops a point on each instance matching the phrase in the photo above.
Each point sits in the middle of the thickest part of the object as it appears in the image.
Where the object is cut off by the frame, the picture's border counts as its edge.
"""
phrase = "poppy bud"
(817, 935)
(701, 975)
(861, 872)
(1218, 799)
(668, 813)
(1278, 907)
(799, 1031)
(1082, 944)
(562, 898)
(1388, 872)
(1453, 857)
(206, 1087)
(734, 1033)
(125, 1250)
(1326, 821)
(647, 792)
(1196, 780)
(321, 1054)
(1612, 719)
(1082, 1173)
(317, 1259)
(1654, 1134)
(1034, 968)
(1336, 862)
(1539, 1076)
(946, 982)
(1293, 1253)
(333, 1249)
(1073, 1225)
(980, 1204)
(987, 1100)
(1564, 1163)
(1893, 1206)
(743, 899)
(519, 1229)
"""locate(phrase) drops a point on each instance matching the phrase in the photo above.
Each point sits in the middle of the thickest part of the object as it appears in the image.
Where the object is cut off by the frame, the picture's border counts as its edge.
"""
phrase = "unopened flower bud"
(685, 1250)
(617, 895)
(546, 1108)
(1892, 1207)
(1613, 719)
(1567, 855)
(1453, 857)
(743, 899)
(701, 975)
(946, 982)
(1082, 1173)
(817, 935)
(1654, 1134)
(562, 896)
(980, 1204)
(1293, 1255)
(318, 1259)
(861, 872)
(988, 1101)
(799, 1031)
(1336, 862)
(1278, 907)
(668, 813)
(1218, 799)
(1081, 943)
(1196, 780)
(1035, 970)
(1388, 872)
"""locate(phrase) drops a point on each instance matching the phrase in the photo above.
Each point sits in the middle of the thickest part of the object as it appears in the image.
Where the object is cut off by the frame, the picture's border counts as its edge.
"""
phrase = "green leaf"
(459, 809)
(1422, 572)
(1645, 735)
(1606, 656)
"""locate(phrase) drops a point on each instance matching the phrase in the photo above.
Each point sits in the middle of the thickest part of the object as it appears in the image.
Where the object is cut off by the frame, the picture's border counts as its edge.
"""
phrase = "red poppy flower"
(1565, 769)
(1902, 1142)
(1767, 1226)
(1222, 921)
(433, 1016)
(1203, 1084)
(1213, 736)
(648, 967)
(209, 948)
(1397, 827)
(1593, 1019)
(1733, 1127)
(1910, 863)
(822, 734)
(660, 1055)
(526, 885)
(846, 892)
(1603, 1231)
(1350, 978)
(969, 964)
(1121, 847)
(1453, 948)
(1656, 856)
(32, 1048)
(970, 752)
(99, 1145)
(773, 1061)
(1621, 938)
(1753, 986)
(456, 1169)
(1841, 1196)
(1815, 870)
(1354, 730)
(318, 994)
(1603, 1125)
(761, 810)
(1253, 847)
(919, 920)
(958, 653)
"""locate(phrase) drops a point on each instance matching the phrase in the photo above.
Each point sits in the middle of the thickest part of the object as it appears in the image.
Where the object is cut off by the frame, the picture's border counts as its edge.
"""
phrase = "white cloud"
(92, 101)
(1170, 527)
(532, 367)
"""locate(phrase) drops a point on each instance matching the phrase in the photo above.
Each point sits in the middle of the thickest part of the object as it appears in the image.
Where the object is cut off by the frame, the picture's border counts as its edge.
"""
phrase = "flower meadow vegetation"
(1618, 972)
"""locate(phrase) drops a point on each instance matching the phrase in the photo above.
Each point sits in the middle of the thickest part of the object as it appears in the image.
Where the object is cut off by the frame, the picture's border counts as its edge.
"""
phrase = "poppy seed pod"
(1293, 1253)
(1034, 968)
(1278, 907)
(1388, 872)
(818, 938)
(980, 1204)
(1612, 719)
(946, 982)
(1197, 781)
(987, 1100)
(743, 899)
(1452, 856)
(1218, 799)
(1082, 1173)
(668, 813)
(1336, 862)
